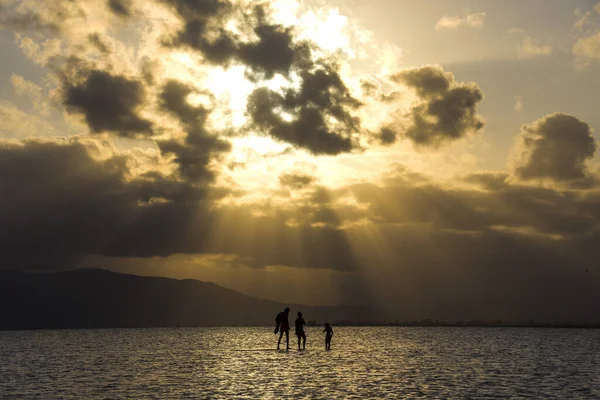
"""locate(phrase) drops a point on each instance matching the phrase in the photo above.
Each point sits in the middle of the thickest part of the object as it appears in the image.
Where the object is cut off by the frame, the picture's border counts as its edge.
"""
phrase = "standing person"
(300, 330)
(282, 324)
(328, 336)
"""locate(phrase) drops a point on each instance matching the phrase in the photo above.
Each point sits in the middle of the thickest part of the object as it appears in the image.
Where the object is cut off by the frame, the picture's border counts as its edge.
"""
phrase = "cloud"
(312, 107)
(555, 147)
(588, 20)
(39, 53)
(22, 17)
(194, 153)
(69, 18)
(203, 28)
(82, 198)
(531, 48)
(120, 7)
(387, 135)
(275, 49)
(108, 102)
(96, 40)
(446, 111)
(315, 114)
(23, 87)
(296, 180)
(474, 20)
(274, 52)
(72, 198)
(304, 119)
(427, 81)
(588, 47)
(476, 242)
(17, 123)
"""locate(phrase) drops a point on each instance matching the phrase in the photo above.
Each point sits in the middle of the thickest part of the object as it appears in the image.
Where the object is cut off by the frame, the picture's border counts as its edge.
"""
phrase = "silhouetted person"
(300, 330)
(282, 324)
(328, 336)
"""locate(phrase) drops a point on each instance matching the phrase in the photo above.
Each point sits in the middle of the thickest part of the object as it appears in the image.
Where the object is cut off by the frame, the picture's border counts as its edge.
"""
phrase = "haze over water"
(243, 363)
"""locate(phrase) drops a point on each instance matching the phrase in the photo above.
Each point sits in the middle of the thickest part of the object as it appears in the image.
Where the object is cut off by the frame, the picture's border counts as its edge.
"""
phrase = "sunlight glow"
(231, 89)
(285, 11)
(327, 28)
(261, 145)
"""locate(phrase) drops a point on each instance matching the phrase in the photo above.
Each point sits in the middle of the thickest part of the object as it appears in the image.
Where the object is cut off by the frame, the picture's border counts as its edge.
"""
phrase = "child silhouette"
(328, 336)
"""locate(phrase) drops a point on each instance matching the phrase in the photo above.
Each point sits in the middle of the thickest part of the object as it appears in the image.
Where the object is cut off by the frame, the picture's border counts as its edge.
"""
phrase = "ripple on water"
(241, 363)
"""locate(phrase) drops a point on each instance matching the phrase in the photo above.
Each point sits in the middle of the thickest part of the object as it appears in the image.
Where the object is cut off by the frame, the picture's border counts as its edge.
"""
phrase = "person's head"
(286, 310)
(299, 314)
(327, 324)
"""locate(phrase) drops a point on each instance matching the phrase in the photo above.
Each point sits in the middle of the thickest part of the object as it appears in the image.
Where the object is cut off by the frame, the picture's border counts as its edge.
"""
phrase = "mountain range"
(89, 298)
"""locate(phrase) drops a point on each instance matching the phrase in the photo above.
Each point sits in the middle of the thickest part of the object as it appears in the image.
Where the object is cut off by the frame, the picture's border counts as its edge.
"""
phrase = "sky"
(437, 157)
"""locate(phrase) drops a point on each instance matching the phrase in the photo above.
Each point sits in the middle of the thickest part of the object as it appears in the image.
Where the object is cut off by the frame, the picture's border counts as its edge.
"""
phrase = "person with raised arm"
(282, 325)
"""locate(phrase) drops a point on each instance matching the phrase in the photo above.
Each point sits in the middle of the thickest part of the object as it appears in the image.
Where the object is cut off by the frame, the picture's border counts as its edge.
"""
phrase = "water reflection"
(242, 363)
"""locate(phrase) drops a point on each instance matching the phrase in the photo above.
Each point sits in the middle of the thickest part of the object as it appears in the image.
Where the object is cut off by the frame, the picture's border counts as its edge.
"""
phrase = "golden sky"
(435, 154)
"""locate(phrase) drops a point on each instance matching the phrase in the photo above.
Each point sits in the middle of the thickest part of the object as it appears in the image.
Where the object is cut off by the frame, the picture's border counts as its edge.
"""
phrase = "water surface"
(215, 363)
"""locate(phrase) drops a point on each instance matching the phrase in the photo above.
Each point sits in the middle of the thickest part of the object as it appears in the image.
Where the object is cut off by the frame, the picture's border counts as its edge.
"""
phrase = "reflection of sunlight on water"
(242, 363)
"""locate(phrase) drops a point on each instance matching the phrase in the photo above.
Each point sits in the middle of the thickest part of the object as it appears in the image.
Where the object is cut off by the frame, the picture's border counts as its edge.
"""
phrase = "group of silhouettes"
(282, 325)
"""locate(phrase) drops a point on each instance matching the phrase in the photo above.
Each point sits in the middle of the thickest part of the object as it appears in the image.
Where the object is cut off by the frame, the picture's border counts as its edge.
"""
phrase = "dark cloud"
(387, 135)
(296, 180)
(500, 205)
(274, 50)
(194, 154)
(203, 30)
(321, 96)
(109, 103)
(447, 111)
(121, 8)
(219, 50)
(59, 204)
(98, 42)
(478, 252)
(428, 81)
(173, 99)
(469, 250)
(555, 147)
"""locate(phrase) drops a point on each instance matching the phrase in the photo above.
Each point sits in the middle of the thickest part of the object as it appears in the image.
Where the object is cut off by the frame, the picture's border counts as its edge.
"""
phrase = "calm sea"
(242, 363)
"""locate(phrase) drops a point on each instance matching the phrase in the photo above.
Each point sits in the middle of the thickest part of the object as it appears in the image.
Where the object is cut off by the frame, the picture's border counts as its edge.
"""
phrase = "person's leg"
(299, 337)
(279, 341)
(287, 339)
(303, 340)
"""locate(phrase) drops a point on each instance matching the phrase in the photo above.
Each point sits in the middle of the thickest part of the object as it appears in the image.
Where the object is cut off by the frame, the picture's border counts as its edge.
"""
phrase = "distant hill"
(102, 299)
